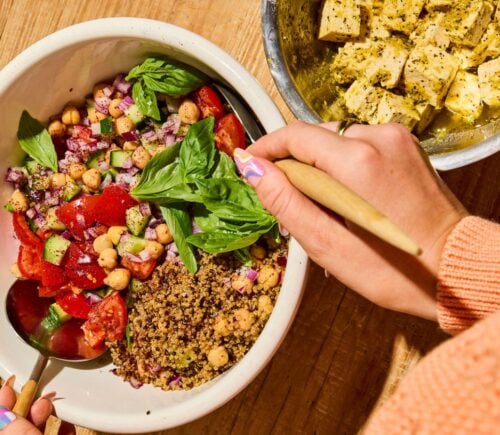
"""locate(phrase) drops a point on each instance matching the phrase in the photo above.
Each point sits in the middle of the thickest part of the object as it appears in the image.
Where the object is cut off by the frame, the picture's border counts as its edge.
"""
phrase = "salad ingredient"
(54, 318)
(229, 134)
(155, 249)
(29, 261)
(52, 221)
(70, 115)
(17, 202)
(101, 243)
(140, 270)
(112, 204)
(108, 258)
(141, 157)
(115, 232)
(56, 128)
(82, 268)
(70, 191)
(118, 279)
(136, 221)
(92, 179)
(78, 215)
(73, 305)
(208, 102)
(163, 234)
(23, 231)
(189, 112)
(35, 140)
(55, 249)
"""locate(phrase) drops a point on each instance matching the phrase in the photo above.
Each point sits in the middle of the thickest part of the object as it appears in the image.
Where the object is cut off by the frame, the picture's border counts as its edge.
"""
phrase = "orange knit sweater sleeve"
(456, 387)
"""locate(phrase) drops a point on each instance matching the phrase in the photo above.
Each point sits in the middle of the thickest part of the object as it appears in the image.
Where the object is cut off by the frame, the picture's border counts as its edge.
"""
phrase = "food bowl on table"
(63, 67)
(301, 66)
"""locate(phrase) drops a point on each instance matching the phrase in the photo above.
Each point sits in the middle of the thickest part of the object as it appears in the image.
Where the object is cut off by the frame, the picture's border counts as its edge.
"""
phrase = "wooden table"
(343, 355)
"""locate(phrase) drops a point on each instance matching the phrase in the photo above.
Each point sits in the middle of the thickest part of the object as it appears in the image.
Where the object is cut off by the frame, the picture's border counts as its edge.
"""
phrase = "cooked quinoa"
(186, 329)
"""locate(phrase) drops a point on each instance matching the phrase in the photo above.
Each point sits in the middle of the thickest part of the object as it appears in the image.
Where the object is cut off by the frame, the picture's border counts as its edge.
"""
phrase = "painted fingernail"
(248, 166)
(10, 381)
(6, 417)
(49, 396)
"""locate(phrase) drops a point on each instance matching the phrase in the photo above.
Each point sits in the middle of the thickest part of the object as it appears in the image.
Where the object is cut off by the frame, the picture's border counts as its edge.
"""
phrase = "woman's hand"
(15, 425)
(385, 166)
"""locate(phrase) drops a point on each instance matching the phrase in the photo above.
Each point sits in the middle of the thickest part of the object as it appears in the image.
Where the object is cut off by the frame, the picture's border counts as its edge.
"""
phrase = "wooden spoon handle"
(329, 192)
(25, 398)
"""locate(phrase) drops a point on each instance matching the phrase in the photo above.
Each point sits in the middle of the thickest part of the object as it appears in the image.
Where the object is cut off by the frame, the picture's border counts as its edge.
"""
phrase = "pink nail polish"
(248, 166)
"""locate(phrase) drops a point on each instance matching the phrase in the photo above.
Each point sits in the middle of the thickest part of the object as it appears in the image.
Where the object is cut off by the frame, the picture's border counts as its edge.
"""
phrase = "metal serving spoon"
(25, 311)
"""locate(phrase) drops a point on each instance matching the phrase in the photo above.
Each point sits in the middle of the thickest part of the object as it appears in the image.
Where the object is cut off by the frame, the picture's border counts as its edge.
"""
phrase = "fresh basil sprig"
(35, 140)
(161, 75)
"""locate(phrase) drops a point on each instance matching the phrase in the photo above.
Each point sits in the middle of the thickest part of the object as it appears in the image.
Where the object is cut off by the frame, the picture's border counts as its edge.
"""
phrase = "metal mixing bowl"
(300, 66)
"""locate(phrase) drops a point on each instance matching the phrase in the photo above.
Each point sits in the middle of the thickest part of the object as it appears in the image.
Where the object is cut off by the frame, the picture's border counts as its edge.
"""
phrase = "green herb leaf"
(145, 99)
(225, 167)
(180, 225)
(35, 140)
(243, 255)
(216, 242)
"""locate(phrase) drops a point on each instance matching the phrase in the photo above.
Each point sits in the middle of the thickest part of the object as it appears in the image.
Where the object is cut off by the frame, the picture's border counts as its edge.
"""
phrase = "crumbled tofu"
(432, 5)
(395, 108)
(340, 20)
(372, 25)
(463, 97)
(351, 59)
(466, 22)
(489, 82)
(430, 31)
(387, 65)
(428, 73)
(488, 47)
(493, 37)
(426, 113)
(362, 100)
(402, 15)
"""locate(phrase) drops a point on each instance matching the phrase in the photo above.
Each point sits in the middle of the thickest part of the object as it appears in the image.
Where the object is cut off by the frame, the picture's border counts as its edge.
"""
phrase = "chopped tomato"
(53, 276)
(23, 230)
(82, 132)
(208, 102)
(112, 205)
(29, 260)
(82, 269)
(44, 234)
(229, 134)
(139, 270)
(80, 214)
(74, 304)
(48, 292)
(107, 320)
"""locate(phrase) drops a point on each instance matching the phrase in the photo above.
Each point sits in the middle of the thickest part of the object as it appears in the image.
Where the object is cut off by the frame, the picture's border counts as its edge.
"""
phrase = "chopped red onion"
(96, 128)
(102, 145)
(92, 298)
(170, 256)
(172, 247)
(125, 180)
(31, 213)
(124, 238)
(103, 165)
(127, 163)
(80, 218)
(172, 104)
(102, 105)
(149, 135)
(86, 121)
(252, 274)
(133, 170)
(134, 258)
(125, 103)
(122, 85)
(130, 135)
(150, 234)
(172, 125)
(108, 91)
(156, 368)
(108, 179)
(84, 259)
(145, 255)
(145, 208)
(135, 383)
(93, 232)
(226, 281)
(66, 234)
(281, 261)
(175, 381)
(169, 139)
(39, 221)
(15, 175)
(241, 290)
(53, 200)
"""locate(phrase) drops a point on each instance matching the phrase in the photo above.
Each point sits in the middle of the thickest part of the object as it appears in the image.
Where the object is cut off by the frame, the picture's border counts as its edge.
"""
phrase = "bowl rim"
(292, 97)
(239, 376)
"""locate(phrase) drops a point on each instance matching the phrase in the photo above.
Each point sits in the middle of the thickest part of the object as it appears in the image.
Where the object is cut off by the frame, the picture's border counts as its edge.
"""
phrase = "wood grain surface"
(343, 356)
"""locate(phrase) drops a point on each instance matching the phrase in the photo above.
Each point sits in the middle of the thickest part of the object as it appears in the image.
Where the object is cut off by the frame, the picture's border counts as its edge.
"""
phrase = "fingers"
(41, 409)
(7, 393)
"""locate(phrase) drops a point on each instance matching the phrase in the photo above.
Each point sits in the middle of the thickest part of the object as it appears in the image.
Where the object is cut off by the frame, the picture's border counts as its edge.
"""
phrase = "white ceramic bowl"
(64, 66)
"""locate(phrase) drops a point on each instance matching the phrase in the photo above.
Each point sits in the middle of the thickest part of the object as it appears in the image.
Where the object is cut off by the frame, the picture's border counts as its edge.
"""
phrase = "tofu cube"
(466, 22)
(489, 82)
(426, 113)
(395, 108)
(362, 100)
(432, 5)
(387, 65)
(372, 25)
(464, 97)
(340, 20)
(488, 47)
(350, 62)
(493, 37)
(428, 73)
(402, 15)
(430, 31)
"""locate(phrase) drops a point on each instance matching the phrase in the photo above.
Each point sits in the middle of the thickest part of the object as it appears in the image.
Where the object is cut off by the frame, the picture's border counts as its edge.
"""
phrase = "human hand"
(15, 425)
(383, 164)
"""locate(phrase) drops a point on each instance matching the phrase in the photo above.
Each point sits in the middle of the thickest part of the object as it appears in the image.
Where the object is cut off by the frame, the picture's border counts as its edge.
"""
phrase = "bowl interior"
(64, 67)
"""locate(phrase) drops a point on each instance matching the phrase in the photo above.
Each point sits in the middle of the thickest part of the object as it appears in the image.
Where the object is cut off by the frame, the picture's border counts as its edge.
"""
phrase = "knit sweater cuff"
(469, 274)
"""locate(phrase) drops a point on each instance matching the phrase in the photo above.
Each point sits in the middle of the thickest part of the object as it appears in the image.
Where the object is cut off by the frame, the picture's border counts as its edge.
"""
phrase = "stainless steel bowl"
(299, 64)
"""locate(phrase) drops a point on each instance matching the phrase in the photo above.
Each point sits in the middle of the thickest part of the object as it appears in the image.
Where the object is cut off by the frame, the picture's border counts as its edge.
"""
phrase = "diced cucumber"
(133, 245)
(106, 125)
(54, 318)
(55, 248)
(136, 221)
(151, 147)
(134, 113)
(135, 285)
(40, 182)
(70, 191)
(62, 315)
(53, 222)
(94, 159)
(104, 291)
(111, 171)
(118, 158)
(33, 167)
(9, 207)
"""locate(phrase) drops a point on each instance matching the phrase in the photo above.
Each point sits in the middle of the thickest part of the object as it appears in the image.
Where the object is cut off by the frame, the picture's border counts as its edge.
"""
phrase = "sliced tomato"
(44, 234)
(80, 214)
(113, 204)
(208, 102)
(229, 134)
(23, 230)
(139, 270)
(53, 276)
(107, 320)
(29, 260)
(82, 269)
(74, 304)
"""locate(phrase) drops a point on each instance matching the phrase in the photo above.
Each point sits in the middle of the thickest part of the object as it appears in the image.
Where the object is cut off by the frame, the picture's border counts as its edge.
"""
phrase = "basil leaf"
(145, 99)
(225, 167)
(216, 242)
(180, 225)
(243, 255)
(35, 140)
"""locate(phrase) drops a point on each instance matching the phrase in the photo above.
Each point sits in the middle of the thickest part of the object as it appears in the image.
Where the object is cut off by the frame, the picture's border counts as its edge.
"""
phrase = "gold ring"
(344, 125)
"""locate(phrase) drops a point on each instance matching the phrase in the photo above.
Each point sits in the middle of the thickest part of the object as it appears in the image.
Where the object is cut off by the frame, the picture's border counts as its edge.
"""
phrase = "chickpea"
(76, 170)
(218, 357)
(268, 277)
(98, 90)
(18, 201)
(118, 279)
(130, 145)
(94, 115)
(115, 232)
(92, 178)
(113, 108)
(244, 318)
(70, 115)
(154, 248)
(57, 128)
(189, 112)
(163, 234)
(242, 284)
(15, 271)
(221, 327)
(264, 305)
(159, 149)
(118, 94)
(258, 252)
(108, 258)
(101, 243)
(123, 124)
(141, 157)
(57, 180)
